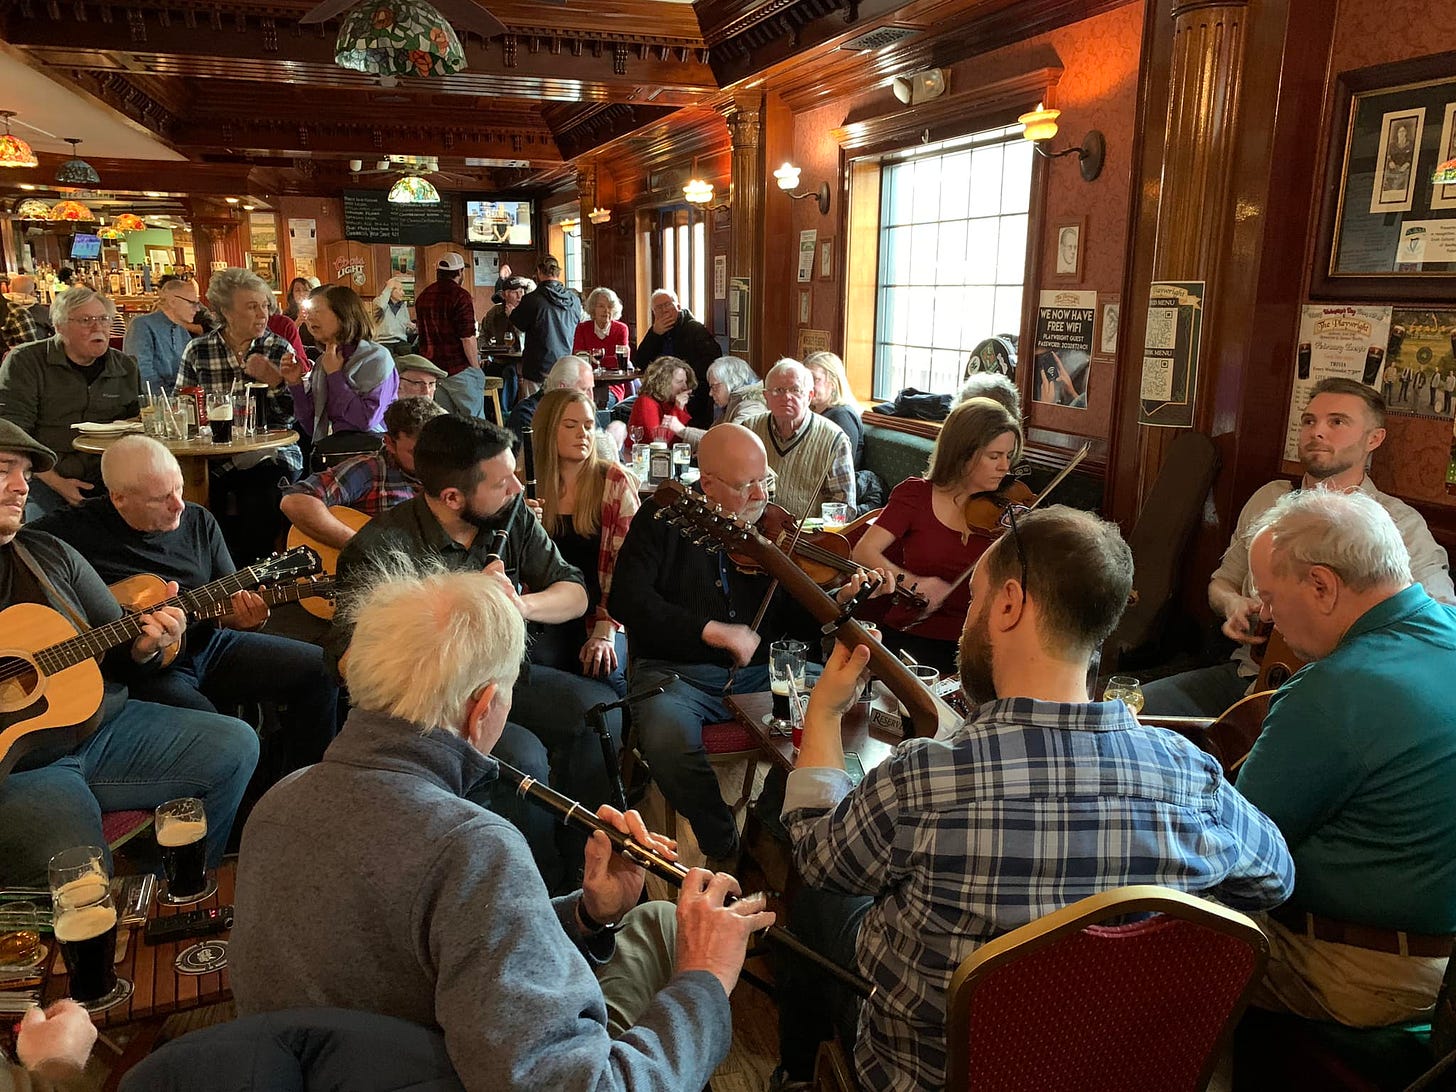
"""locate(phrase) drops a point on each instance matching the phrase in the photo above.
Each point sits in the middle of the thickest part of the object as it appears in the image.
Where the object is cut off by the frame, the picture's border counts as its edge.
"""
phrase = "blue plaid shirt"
(1025, 809)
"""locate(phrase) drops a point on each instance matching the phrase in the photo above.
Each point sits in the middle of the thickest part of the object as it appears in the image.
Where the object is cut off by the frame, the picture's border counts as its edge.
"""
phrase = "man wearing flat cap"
(139, 754)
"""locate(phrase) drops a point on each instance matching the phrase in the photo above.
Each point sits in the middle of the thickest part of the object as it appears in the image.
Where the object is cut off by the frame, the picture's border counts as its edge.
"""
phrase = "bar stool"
(493, 385)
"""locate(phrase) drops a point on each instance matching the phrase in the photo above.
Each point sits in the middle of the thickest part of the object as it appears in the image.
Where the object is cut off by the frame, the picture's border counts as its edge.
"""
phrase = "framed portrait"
(1109, 314)
(826, 259)
(804, 307)
(1070, 241)
(1387, 231)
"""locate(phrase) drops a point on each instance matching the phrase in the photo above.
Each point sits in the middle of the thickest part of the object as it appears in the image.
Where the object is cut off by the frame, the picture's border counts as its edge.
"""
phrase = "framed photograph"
(1070, 245)
(720, 276)
(826, 259)
(1109, 312)
(803, 307)
(1387, 232)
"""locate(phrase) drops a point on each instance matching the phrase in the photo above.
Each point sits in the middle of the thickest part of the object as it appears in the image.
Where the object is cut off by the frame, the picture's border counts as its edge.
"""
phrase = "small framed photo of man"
(1069, 240)
(1109, 310)
(1395, 165)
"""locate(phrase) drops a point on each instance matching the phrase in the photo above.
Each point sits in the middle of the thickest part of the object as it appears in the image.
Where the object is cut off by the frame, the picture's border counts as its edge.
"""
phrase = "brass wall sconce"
(787, 177)
(1041, 126)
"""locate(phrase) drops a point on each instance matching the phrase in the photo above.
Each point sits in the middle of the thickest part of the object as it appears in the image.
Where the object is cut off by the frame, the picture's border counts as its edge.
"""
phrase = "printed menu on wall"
(1171, 346)
(370, 217)
(1338, 341)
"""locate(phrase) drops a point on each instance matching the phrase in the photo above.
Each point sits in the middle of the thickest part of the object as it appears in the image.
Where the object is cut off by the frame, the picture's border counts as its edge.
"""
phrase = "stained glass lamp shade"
(111, 234)
(14, 152)
(76, 171)
(70, 210)
(129, 221)
(33, 208)
(398, 38)
(413, 190)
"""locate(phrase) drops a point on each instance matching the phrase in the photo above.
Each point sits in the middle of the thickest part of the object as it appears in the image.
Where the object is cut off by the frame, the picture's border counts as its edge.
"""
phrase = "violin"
(823, 555)
(983, 512)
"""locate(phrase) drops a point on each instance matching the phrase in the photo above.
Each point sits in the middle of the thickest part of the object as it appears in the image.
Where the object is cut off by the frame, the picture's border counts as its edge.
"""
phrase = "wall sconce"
(1041, 127)
(787, 177)
(571, 226)
(698, 192)
(600, 216)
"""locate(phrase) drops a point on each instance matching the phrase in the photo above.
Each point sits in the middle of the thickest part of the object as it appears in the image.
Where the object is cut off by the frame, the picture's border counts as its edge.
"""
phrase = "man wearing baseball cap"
(140, 753)
(445, 314)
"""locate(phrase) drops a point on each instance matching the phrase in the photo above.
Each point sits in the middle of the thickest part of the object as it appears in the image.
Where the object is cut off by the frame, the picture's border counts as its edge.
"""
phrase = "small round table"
(193, 455)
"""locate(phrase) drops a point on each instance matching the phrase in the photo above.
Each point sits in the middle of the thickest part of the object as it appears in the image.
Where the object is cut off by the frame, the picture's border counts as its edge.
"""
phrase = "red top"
(586, 339)
(649, 413)
(928, 547)
(445, 315)
(287, 329)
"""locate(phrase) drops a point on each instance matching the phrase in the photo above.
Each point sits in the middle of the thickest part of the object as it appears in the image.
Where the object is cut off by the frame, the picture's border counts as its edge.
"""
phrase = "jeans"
(145, 755)
(559, 646)
(463, 393)
(669, 728)
(812, 1005)
(1206, 692)
(232, 668)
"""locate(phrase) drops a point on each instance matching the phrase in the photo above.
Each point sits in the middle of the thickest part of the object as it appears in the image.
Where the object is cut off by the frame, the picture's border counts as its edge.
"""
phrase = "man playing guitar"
(139, 754)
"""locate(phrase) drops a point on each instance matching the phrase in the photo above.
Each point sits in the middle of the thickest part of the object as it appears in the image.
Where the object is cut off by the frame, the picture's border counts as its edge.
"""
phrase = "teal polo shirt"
(1357, 767)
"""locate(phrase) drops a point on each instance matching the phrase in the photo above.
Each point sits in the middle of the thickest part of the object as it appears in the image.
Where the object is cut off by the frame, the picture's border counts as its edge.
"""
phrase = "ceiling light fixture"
(15, 152)
(698, 192)
(76, 171)
(33, 208)
(70, 210)
(1040, 126)
(413, 190)
(398, 38)
(129, 221)
(787, 177)
(231, 200)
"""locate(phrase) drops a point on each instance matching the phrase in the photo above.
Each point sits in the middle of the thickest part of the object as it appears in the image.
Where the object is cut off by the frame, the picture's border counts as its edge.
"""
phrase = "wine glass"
(637, 433)
(1128, 689)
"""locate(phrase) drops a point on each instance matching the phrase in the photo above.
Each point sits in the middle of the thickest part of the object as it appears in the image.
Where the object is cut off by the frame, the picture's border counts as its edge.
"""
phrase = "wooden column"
(745, 194)
(586, 188)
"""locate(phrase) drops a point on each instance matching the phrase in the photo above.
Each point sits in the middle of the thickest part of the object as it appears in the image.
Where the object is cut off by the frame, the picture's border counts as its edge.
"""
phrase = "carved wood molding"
(118, 92)
(963, 108)
(605, 122)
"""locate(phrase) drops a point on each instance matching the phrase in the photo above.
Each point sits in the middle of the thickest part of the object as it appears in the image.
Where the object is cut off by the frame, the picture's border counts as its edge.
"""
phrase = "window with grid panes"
(952, 256)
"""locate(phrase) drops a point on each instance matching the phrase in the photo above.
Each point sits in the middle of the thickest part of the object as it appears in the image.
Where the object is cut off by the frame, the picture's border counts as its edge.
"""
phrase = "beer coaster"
(204, 957)
(166, 898)
(119, 995)
(772, 723)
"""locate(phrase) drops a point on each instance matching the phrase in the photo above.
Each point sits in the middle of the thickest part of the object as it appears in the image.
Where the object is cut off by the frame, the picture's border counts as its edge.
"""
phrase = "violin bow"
(1061, 475)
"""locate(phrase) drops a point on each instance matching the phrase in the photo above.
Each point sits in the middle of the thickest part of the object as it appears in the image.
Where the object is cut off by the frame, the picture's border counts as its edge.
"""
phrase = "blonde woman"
(833, 399)
(586, 503)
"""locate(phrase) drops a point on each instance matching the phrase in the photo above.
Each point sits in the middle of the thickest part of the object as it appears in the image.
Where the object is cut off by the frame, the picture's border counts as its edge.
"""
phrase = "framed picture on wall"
(826, 259)
(803, 307)
(1071, 244)
(1387, 229)
(1109, 315)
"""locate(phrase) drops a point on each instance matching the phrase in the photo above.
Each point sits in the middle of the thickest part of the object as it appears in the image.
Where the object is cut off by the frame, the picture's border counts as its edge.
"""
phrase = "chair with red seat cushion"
(1067, 1002)
(726, 742)
(120, 827)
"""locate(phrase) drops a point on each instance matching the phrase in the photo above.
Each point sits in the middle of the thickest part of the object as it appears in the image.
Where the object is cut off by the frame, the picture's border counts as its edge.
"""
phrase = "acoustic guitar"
(50, 681)
(1229, 737)
(351, 518)
(1276, 660)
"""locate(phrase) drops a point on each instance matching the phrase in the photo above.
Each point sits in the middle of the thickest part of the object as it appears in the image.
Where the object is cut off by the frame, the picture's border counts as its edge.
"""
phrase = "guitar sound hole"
(19, 680)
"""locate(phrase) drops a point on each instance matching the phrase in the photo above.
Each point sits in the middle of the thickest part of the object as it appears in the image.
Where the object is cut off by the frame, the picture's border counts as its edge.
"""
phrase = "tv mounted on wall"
(85, 247)
(499, 223)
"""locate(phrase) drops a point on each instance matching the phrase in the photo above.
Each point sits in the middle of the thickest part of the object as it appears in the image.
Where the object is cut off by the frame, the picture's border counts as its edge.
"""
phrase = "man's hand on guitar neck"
(249, 611)
(161, 629)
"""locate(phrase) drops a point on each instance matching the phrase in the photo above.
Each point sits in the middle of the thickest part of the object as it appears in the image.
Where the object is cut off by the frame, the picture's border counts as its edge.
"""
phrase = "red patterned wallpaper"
(1098, 90)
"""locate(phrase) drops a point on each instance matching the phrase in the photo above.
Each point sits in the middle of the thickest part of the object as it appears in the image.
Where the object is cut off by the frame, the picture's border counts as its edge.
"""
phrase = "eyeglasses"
(1008, 520)
(779, 392)
(94, 322)
(746, 488)
(419, 384)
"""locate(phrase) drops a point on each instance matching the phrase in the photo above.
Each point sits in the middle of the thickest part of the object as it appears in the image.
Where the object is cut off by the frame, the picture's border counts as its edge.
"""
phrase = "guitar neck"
(278, 593)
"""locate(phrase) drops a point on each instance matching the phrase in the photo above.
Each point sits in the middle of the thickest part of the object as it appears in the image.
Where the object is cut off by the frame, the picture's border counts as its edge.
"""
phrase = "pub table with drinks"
(194, 454)
(871, 729)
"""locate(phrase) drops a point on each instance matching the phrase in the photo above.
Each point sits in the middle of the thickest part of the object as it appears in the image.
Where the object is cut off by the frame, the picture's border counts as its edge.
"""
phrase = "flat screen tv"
(85, 247)
(499, 223)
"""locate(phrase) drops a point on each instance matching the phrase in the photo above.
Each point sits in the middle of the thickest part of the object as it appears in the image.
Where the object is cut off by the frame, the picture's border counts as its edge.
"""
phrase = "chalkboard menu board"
(370, 218)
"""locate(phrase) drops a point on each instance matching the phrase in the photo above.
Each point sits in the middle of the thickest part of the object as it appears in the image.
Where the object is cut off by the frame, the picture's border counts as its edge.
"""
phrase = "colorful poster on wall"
(1062, 355)
(402, 268)
(1420, 363)
(1171, 346)
(303, 238)
(1335, 341)
(806, 254)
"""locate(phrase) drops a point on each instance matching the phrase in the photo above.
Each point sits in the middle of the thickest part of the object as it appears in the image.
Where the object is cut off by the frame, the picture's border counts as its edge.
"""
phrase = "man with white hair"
(157, 339)
(810, 455)
(676, 333)
(144, 526)
(1355, 764)
(568, 373)
(456, 931)
(48, 386)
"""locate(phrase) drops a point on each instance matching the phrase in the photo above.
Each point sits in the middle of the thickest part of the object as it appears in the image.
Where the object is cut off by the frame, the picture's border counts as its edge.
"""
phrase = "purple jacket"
(353, 399)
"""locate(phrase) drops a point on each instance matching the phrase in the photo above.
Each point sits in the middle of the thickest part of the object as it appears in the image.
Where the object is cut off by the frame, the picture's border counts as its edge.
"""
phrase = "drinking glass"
(220, 416)
(682, 458)
(641, 462)
(181, 827)
(786, 674)
(85, 925)
(621, 358)
(929, 676)
(243, 407)
(1128, 689)
(636, 434)
(835, 515)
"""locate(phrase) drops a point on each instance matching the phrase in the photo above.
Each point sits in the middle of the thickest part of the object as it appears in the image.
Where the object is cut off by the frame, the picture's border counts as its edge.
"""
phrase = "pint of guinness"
(87, 936)
(182, 837)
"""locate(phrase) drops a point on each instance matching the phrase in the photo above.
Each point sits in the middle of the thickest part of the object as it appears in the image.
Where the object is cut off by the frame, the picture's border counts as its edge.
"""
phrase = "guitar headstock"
(699, 519)
(299, 561)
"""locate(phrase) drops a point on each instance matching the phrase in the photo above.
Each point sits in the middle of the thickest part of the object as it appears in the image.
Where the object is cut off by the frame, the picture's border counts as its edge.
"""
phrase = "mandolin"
(698, 520)
(352, 518)
(50, 681)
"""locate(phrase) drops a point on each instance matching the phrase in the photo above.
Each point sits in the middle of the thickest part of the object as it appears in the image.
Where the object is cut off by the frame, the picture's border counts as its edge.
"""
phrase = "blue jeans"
(559, 646)
(143, 756)
(232, 668)
(463, 393)
(669, 729)
(812, 1005)
(1205, 692)
(551, 704)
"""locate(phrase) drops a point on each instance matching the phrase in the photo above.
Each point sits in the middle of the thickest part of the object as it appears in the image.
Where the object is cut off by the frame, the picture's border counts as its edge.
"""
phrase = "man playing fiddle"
(1355, 764)
(1040, 799)
(689, 612)
(1343, 423)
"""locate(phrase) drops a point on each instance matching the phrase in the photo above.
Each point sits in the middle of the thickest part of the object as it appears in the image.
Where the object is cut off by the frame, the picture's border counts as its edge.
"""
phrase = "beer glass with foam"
(785, 672)
(85, 922)
(181, 827)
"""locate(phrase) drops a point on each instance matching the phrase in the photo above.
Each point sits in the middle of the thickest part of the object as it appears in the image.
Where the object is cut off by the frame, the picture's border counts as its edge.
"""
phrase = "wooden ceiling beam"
(309, 136)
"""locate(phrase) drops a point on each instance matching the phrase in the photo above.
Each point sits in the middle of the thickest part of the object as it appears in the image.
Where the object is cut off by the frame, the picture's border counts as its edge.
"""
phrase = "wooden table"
(193, 456)
(603, 378)
(872, 738)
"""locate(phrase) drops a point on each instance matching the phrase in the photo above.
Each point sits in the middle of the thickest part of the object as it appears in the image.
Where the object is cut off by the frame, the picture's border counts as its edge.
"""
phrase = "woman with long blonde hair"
(833, 399)
(586, 503)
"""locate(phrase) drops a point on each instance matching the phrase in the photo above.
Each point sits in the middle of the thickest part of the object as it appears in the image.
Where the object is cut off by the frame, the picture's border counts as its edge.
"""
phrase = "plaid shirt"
(208, 362)
(369, 483)
(18, 327)
(445, 315)
(1025, 809)
(620, 502)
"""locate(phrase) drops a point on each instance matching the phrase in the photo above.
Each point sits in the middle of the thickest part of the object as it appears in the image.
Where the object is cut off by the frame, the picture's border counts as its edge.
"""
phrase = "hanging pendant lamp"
(33, 208)
(76, 171)
(15, 152)
(413, 190)
(398, 38)
(70, 210)
(128, 221)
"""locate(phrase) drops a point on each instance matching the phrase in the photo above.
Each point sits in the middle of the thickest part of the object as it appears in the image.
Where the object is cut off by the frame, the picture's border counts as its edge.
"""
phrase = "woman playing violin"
(586, 504)
(924, 534)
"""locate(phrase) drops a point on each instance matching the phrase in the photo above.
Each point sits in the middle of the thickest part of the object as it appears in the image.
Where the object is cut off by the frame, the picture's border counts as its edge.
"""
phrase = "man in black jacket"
(676, 333)
(548, 317)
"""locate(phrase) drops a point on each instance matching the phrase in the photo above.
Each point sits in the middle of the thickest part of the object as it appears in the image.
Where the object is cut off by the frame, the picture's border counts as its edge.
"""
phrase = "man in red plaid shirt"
(445, 314)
